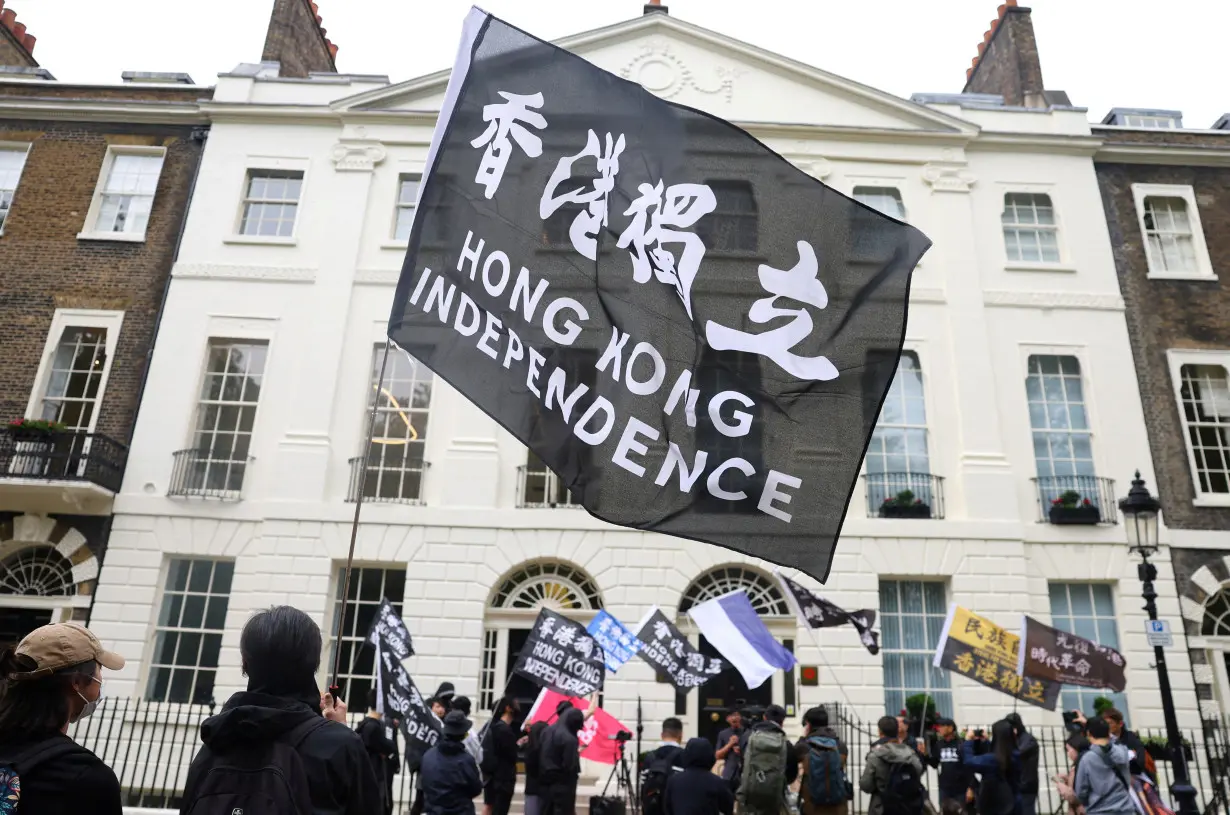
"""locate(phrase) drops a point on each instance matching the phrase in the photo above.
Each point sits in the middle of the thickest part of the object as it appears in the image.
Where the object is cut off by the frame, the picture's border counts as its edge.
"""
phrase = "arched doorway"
(709, 706)
(47, 574)
(511, 609)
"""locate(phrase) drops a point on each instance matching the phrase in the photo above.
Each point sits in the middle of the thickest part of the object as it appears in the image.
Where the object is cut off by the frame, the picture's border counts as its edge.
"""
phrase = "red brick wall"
(43, 266)
(295, 40)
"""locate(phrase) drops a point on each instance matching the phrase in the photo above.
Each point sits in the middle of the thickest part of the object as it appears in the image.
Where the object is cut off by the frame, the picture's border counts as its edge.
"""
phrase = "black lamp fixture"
(1140, 520)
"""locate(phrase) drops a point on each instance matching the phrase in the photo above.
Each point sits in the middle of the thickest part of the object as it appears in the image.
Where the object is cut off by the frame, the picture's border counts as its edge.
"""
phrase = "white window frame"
(1177, 359)
(89, 231)
(1204, 266)
(1060, 265)
(147, 673)
(269, 164)
(64, 318)
(337, 577)
(895, 186)
(393, 241)
(24, 148)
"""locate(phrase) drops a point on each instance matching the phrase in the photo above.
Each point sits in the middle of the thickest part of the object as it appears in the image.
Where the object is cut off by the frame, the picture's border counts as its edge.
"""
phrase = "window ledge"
(1211, 501)
(398, 245)
(1207, 277)
(260, 240)
(1021, 266)
(118, 237)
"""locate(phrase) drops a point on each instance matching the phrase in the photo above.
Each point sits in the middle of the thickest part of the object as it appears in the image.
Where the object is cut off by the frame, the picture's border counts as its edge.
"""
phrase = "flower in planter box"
(36, 425)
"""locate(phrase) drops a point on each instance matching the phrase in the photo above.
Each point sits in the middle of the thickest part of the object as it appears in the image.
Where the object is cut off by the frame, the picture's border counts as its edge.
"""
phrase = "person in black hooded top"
(696, 790)
(450, 774)
(280, 653)
(560, 764)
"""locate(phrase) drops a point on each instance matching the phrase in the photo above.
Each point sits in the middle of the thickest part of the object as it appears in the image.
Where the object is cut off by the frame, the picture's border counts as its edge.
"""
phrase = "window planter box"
(913, 511)
(1088, 516)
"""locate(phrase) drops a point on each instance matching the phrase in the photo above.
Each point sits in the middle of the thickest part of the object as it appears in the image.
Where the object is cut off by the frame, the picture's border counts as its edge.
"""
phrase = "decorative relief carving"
(661, 72)
(948, 177)
(1090, 301)
(817, 167)
(357, 157)
(222, 271)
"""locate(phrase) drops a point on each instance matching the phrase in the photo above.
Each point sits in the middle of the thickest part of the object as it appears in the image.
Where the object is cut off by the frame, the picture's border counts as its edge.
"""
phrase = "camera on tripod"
(621, 737)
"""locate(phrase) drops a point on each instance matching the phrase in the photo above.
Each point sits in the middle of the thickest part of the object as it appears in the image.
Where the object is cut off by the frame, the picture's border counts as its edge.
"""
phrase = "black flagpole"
(640, 728)
(334, 688)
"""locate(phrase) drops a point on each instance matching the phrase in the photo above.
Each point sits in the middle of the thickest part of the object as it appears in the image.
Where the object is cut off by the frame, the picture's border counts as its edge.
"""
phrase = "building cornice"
(101, 110)
(1049, 143)
(1163, 154)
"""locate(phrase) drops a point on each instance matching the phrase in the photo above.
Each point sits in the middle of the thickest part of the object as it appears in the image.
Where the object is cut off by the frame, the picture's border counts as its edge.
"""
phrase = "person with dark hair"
(728, 741)
(695, 789)
(658, 765)
(1102, 775)
(450, 774)
(1141, 761)
(823, 757)
(533, 768)
(770, 765)
(560, 764)
(281, 715)
(500, 757)
(439, 708)
(1065, 783)
(445, 694)
(380, 750)
(944, 751)
(50, 680)
(892, 774)
(473, 746)
(1027, 747)
(999, 771)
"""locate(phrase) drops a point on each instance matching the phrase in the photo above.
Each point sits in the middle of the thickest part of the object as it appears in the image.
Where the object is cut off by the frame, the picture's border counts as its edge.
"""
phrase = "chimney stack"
(16, 46)
(655, 6)
(1007, 63)
(296, 40)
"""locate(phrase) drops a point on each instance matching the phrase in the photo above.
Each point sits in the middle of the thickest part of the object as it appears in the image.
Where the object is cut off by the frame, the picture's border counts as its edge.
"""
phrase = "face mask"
(90, 705)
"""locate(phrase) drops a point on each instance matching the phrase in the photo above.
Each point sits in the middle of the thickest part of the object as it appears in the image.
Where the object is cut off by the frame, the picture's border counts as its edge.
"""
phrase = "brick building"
(1166, 191)
(95, 181)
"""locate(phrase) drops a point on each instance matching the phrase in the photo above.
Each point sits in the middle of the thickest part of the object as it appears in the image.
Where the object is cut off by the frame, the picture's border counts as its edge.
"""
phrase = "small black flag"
(672, 656)
(817, 612)
(387, 627)
(402, 701)
(561, 655)
(693, 333)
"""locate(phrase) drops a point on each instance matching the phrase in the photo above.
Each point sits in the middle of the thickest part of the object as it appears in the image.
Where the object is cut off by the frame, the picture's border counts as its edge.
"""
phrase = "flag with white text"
(816, 612)
(561, 655)
(400, 699)
(692, 333)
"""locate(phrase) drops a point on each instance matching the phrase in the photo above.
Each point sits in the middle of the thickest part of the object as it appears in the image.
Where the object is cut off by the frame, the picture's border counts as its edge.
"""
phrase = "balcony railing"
(539, 487)
(904, 495)
(1094, 501)
(202, 474)
(63, 455)
(394, 485)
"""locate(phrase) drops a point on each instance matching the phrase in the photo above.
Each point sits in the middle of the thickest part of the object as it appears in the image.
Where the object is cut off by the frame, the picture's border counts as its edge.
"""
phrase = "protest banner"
(986, 653)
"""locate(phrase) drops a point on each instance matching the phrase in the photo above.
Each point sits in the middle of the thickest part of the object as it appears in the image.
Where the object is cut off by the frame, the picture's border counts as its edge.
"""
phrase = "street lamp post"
(1140, 511)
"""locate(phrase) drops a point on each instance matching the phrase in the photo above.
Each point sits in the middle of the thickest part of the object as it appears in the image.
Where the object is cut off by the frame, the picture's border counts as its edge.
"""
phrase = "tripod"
(622, 777)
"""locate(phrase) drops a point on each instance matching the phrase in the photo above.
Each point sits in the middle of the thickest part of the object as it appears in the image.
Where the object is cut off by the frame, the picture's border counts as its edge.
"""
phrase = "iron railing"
(539, 487)
(1094, 501)
(394, 485)
(62, 455)
(904, 495)
(202, 474)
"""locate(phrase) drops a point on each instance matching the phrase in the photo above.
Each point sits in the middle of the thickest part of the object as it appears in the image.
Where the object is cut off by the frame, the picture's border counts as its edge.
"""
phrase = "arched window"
(1217, 615)
(766, 597)
(38, 572)
(551, 584)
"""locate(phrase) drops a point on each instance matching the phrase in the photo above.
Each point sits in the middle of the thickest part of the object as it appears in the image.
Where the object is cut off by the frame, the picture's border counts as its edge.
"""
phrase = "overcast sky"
(1104, 53)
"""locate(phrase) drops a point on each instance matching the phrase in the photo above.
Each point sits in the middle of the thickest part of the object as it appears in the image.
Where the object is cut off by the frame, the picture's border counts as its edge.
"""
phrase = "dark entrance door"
(725, 692)
(520, 688)
(15, 623)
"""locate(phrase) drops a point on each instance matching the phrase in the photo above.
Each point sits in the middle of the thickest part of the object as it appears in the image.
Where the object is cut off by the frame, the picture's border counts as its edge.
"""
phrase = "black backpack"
(905, 794)
(12, 767)
(254, 778)
(653, 782)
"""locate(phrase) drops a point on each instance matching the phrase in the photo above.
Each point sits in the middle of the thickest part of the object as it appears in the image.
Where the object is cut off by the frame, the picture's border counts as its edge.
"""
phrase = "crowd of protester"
(284, 744)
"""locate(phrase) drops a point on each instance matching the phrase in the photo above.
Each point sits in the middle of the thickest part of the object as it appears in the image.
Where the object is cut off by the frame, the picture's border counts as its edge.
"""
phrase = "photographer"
(999, 771)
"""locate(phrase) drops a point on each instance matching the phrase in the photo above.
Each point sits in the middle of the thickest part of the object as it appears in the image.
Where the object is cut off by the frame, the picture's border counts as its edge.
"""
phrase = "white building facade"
(1017, 385)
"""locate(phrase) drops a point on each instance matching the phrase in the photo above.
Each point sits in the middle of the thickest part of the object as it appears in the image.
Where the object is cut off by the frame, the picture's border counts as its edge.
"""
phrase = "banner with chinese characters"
(816, 612)
(561, 655)
(618, 643)
(387, 627)
(978, 649)
(1059, 656)
(672, 656)
(694, 334)
(402, 702)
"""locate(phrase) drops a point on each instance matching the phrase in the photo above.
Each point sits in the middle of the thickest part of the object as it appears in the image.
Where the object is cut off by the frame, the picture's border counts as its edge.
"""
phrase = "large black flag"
(672, 656)
(817, 612)
(693, 333)
(561, 655)
(402, 701)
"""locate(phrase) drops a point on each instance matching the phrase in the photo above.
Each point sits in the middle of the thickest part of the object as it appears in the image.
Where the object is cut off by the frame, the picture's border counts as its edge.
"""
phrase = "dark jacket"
(560, 757)
(878, 769)
(696, 790)
(955, 777)
(77, 782)
(450, 779)
(340, 776)
(803, 751)
(997, 792)
(533, 758)
(1027, 746)
(500, 756)
(380, 749)
(1133, 743)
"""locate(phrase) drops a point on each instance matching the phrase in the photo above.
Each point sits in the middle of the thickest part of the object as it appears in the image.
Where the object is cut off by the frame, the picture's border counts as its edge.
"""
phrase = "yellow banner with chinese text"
(980, 650)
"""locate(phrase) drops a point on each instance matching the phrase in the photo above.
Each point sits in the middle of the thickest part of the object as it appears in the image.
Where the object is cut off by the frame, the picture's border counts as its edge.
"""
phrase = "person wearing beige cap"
(50, 680)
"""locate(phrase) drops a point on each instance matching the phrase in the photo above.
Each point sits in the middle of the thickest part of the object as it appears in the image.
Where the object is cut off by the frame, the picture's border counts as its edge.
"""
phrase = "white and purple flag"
(734, 628)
